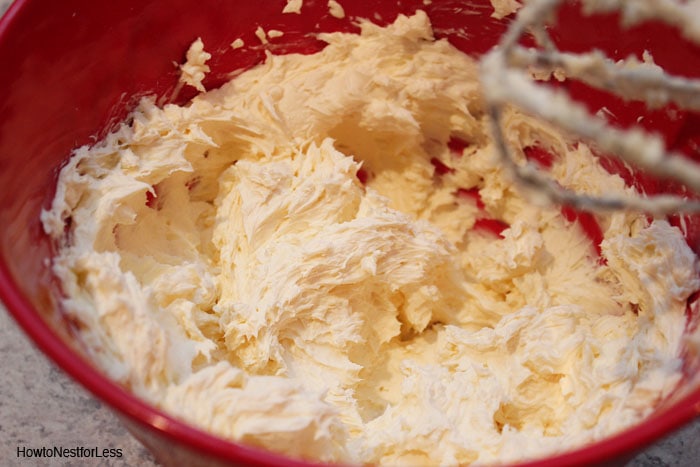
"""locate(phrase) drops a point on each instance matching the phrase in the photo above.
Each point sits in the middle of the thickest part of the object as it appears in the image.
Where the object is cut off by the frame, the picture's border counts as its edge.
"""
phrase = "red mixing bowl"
(72, 69)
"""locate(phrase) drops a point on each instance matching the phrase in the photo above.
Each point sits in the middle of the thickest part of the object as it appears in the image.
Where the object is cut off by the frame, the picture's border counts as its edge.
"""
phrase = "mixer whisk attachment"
(507, 80)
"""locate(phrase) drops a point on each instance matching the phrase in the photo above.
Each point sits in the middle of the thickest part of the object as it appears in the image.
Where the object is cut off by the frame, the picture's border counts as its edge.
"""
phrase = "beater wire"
(506, 75)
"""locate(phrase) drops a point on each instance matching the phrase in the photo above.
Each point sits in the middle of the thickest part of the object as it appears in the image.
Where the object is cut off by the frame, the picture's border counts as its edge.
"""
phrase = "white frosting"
(336, 9)
(195, 68)
(225, 262)
(293, 6)
(503, 8)
(261, 35)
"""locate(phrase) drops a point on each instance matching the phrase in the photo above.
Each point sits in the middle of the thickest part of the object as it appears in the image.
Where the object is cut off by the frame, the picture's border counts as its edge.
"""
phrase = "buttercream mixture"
(325, 258)
(503, 8)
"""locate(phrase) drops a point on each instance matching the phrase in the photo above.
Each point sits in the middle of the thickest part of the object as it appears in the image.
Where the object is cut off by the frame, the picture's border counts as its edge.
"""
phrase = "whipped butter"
(298, 261)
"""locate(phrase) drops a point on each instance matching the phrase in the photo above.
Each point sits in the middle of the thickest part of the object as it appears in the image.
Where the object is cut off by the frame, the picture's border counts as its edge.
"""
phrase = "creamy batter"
(297, 261)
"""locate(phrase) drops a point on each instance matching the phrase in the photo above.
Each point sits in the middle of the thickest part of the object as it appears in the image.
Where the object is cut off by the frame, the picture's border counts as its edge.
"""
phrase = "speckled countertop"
(41, 406)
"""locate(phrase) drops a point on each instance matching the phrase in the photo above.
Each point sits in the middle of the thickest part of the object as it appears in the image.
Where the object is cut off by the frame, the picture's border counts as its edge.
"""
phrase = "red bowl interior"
(73, 69)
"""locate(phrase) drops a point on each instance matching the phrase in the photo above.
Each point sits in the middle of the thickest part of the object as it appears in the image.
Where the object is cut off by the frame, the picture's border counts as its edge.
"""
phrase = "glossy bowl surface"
(72, 69)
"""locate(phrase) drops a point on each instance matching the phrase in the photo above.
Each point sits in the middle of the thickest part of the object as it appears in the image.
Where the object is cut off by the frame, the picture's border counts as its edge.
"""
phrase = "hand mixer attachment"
(507, 79)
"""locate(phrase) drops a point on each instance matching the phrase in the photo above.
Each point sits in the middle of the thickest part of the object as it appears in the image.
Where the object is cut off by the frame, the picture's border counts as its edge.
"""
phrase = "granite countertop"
(41, 406)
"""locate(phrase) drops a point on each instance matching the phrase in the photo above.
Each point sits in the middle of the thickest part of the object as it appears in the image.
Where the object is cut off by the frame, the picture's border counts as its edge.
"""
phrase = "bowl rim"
(626, 442)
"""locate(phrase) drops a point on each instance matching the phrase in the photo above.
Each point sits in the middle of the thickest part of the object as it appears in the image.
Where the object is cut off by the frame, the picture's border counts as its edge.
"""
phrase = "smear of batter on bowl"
(503, 8)
(336, 9)
(293, 6)
(261, 35)
(324, 258)
(195, 68)
(274, 33)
